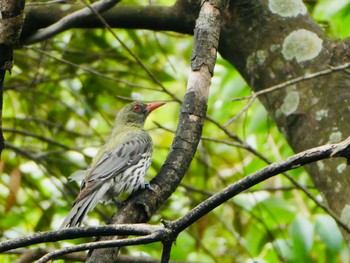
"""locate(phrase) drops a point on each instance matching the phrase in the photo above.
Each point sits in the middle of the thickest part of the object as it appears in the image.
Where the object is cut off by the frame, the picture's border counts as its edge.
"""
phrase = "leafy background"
(59, 106)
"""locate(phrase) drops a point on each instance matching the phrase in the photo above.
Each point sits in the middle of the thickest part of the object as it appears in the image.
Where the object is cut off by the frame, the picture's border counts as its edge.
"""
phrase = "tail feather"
(83, 206)
(78, 212)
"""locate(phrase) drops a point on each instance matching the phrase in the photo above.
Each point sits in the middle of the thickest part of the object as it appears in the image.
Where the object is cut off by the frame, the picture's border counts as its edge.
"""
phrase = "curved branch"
(70, 20)
(341, 149)
(290, 82)
(178, 18)
(78, 232)
(100, 244)
(30, 255)
(170, 230)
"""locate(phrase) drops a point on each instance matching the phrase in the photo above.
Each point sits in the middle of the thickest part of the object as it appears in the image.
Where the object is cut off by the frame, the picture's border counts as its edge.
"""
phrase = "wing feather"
(112, 163)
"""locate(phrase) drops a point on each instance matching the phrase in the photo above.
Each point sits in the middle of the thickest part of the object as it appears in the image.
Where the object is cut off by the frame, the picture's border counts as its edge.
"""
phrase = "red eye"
(137, 108)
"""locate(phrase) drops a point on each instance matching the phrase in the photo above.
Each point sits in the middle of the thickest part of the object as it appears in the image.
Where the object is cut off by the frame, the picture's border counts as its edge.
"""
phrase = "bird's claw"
(149, 187)
(117, 203)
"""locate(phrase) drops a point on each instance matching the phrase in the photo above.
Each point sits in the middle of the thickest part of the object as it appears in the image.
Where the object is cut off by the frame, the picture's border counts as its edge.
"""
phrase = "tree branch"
(260, 56)
(189, 130)
(341, 149)
(101, 244)
(287, 83)
(78, 232)
(166, 251)
(170, 230)
(30, 255)
(70, 20)
(178, 18)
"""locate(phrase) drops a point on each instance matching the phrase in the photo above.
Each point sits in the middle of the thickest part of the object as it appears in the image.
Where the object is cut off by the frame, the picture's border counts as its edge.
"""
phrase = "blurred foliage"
(60, 102)
(334, 15)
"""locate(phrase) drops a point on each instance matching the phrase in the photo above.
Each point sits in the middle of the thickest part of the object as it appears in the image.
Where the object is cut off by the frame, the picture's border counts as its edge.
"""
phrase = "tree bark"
(11, 22)
(270, 45)
(193, 111)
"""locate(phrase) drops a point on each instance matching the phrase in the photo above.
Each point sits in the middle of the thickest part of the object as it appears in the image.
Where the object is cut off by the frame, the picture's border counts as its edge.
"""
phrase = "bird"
(119, 165)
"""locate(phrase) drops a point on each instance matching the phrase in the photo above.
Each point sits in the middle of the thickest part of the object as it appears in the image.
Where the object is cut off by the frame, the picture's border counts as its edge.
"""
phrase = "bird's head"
(135, 113)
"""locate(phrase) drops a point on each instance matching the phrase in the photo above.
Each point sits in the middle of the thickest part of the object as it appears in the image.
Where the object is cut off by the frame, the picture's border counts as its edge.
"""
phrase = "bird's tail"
(86, 200)
(78, 212)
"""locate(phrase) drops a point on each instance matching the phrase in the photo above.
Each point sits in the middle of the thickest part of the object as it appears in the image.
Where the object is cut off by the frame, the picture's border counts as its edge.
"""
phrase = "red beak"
(152, 106)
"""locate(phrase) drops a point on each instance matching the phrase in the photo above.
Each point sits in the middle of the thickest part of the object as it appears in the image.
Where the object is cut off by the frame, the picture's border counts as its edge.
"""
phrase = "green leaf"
(275, 211)
(46, 218)
(329, 233)
(257, 239)
(284, 247)
(186, 246)
(302, 232)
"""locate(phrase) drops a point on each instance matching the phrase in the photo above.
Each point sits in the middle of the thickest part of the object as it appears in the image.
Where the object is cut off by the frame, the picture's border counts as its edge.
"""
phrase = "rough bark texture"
(179, 17)
(11, 22)
(311, 113)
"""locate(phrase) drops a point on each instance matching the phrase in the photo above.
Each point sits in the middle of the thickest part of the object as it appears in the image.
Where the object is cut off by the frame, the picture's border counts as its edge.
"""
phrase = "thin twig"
(101, 244)
(295, 161)
(78, 232)
(252, 97)
(89, 70)
(131, 53)
(39, 137)
(242, 111)
(247, 147)
(330, 70)
(172, 229)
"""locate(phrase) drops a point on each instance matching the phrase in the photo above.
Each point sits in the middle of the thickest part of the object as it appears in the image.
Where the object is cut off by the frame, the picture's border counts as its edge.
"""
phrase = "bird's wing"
(113, 162)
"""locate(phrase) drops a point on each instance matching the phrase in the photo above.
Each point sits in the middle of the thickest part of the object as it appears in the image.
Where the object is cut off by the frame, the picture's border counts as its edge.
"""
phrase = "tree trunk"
(270, 44)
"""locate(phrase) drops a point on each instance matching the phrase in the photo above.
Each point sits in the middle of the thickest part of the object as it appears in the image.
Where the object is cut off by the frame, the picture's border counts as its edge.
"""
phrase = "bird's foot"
(117, 203)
